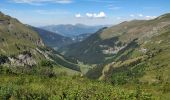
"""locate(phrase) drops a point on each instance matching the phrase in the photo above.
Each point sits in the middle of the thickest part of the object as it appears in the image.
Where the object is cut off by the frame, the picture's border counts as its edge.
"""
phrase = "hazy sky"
(90, 12)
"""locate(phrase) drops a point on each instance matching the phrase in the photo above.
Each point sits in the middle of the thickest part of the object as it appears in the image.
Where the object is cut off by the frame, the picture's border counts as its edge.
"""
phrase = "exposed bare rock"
(22, 60)
(40, 43)
(44, 53)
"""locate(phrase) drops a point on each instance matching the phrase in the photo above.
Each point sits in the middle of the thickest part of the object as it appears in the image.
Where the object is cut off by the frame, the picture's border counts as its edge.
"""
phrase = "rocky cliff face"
(22, 60)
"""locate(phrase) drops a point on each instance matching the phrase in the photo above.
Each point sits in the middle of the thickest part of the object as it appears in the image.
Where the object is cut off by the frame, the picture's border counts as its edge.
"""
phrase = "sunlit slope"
(109, 42)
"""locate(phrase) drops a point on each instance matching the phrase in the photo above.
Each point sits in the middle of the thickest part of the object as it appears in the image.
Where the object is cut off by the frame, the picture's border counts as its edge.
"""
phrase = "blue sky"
(90, 12)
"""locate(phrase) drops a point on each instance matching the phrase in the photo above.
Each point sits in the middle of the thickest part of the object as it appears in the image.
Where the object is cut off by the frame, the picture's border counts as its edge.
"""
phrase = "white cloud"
(78, 15)
(90, 15)
(41, 2)
(132, 15)
(140, 15)
(63, 1)
(150, 17)
(95, 15)
(100, 15)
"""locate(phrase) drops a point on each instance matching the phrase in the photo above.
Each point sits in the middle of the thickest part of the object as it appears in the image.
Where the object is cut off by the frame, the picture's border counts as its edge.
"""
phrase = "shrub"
(46, 63)
(3, 59)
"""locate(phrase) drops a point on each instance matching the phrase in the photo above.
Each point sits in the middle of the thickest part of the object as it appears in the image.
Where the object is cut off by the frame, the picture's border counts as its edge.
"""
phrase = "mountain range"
(58, 36)
(72, 31)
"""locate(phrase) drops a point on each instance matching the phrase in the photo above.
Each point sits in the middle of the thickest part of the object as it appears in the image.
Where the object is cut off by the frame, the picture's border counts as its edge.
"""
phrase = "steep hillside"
(22, 50)
(117, 40)
(53, 40)
(147, 60)
(149, 63)
(16, 38)
(86, 49)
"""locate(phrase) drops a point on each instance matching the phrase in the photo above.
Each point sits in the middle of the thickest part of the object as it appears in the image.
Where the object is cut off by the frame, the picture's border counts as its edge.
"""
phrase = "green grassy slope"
(150, 69)
(153, 53)
(16, 37)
